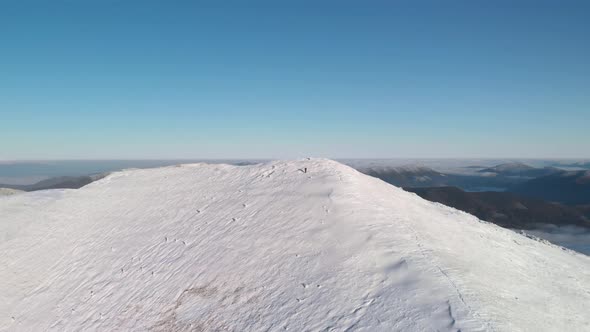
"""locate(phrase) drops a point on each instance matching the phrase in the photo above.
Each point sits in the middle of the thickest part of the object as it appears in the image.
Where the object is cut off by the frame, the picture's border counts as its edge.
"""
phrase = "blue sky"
(280, 79)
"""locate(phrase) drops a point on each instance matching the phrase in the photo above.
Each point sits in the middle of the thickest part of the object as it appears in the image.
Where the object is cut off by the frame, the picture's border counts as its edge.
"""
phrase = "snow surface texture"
(8, 191)
(272, 247)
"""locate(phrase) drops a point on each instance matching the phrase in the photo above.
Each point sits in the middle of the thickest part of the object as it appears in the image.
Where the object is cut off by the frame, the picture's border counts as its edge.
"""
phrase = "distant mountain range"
(581, 164)
(520, 170)
(547, 183)
(513, 195)
(61, 182)
(420, 176)
(571, 187)
(507, 209)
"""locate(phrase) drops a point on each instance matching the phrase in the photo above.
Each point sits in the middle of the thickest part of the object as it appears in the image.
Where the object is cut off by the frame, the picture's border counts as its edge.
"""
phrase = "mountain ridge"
(571, 187)
(505, 208)
(307, 244)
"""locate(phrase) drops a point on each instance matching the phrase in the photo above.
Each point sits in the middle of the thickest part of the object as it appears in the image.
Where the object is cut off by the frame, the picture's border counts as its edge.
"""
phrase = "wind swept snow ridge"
(272, 247)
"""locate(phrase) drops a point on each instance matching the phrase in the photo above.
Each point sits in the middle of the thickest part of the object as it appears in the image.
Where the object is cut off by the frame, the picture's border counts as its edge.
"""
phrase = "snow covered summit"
(309, 245)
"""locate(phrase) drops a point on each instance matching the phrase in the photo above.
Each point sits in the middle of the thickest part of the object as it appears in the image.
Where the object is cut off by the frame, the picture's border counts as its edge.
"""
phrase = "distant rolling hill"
(520, 170)
(580, 164)
(506, 209)
(549, 183)
(419, 176)
(571, 187)
(62, 182)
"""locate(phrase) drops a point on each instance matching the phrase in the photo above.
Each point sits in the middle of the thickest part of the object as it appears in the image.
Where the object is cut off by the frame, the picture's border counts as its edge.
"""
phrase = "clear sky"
(278, 79)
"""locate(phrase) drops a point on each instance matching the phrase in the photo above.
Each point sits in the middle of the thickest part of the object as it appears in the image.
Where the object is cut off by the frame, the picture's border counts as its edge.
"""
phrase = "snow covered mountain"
(309, 245)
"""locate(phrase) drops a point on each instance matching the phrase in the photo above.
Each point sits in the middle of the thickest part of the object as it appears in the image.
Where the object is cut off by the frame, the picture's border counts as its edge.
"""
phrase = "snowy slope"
(269, 247)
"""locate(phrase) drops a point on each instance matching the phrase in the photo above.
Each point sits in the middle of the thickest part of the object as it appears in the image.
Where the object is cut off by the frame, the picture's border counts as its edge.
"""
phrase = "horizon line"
(288, 158)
